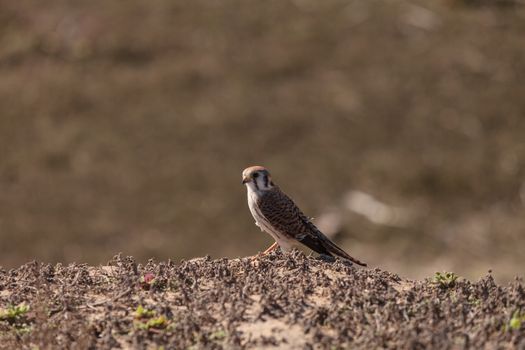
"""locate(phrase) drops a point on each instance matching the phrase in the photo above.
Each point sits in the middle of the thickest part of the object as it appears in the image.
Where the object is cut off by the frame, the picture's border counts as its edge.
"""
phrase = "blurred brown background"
(399, 125)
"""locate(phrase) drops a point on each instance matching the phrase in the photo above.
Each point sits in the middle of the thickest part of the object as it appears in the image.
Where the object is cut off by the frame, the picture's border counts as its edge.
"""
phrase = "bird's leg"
(270, 249)
(267, 251)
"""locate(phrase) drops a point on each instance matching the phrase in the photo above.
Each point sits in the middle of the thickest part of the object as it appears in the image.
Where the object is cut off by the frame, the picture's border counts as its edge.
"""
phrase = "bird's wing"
(284, 215)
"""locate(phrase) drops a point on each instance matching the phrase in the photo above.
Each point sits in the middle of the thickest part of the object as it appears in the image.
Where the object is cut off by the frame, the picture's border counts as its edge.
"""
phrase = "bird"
(277, 214)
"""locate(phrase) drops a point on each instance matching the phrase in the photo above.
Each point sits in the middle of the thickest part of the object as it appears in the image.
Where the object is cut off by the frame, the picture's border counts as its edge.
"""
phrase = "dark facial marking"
(255, 176)
(266, 180)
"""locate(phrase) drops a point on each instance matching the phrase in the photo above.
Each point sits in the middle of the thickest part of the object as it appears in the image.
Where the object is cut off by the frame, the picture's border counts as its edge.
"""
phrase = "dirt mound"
(280, 301)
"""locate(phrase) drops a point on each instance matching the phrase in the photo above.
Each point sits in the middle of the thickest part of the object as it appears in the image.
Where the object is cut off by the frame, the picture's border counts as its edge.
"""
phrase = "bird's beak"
(245, 180)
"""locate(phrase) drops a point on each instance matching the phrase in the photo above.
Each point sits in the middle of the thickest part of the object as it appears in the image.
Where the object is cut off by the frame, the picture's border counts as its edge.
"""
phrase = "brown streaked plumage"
(275, 213)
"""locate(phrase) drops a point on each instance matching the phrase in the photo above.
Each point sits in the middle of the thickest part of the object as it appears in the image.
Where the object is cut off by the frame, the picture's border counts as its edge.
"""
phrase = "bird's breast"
(254, 199)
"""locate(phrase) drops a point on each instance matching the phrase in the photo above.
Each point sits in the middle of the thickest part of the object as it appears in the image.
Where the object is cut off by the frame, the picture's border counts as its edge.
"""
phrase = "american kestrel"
(275, 213)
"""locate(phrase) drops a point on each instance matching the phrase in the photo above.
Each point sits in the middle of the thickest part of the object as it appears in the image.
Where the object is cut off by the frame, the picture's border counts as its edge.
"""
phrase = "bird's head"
(257, 178)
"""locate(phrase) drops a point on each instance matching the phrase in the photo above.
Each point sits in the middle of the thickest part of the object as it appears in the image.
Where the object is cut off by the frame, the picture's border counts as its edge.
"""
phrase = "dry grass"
(280, 301)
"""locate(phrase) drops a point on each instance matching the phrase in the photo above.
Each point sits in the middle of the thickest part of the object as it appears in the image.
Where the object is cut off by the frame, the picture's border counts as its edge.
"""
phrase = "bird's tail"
(332, 248)
(321, 244)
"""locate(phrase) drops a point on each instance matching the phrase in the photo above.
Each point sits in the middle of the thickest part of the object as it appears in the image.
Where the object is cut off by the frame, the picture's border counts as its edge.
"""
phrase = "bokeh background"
(398, 125)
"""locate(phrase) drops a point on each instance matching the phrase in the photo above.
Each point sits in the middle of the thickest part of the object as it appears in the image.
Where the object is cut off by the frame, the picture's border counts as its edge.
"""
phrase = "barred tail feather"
(321, 244)
(335, 250)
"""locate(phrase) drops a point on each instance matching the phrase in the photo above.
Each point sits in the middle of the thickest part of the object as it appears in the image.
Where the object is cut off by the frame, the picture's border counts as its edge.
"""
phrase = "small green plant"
(474, 301)
(148, 320)
(516, 321)
(14, 313)
(445, 279)
(160, 322)
(142, 312)
(23, 329)
(218, 335)
(17, 318)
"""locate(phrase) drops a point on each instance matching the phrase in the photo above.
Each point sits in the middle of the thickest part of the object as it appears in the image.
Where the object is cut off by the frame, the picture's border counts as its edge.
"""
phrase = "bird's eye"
(256, 175)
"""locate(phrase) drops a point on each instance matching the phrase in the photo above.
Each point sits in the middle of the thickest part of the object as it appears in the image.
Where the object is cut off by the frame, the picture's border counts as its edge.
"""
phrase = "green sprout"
(148, 320)
(218, 335)
(14, 313)
(516, 321)
(142, 312)
(160, 322)
(445, 279)
(474, 301)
